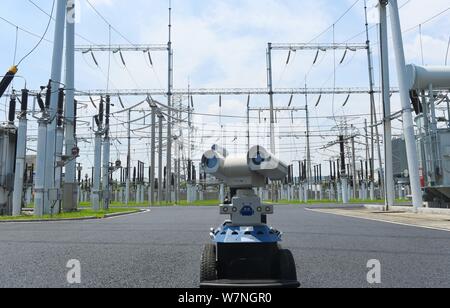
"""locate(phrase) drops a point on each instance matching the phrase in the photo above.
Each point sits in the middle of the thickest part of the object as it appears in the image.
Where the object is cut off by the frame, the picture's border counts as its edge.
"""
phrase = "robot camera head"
(246, 170)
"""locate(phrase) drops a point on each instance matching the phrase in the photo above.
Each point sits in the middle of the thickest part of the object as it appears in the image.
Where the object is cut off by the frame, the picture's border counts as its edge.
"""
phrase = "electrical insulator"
(6, 81)
(60, 109)
(40, 102)
(24, 101)
(48, 95)
(76, 152)
(12, 109)
(101, 111)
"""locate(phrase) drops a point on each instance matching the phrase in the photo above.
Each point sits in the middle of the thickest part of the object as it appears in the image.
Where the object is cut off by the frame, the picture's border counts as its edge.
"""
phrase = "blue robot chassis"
(247, 257)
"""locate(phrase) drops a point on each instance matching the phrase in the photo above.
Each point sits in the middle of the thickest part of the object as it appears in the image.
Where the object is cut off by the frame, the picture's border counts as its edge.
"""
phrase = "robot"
(245, 252)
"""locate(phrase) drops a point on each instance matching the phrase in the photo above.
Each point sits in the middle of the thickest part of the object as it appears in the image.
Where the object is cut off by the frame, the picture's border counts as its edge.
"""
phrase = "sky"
(222, 44)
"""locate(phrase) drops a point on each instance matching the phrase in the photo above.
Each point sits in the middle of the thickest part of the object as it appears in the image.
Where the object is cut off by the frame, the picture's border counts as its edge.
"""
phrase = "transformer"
(8, 137)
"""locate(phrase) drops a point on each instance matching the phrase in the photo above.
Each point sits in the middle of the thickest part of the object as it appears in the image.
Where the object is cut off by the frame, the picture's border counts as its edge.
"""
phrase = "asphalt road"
(162, 249)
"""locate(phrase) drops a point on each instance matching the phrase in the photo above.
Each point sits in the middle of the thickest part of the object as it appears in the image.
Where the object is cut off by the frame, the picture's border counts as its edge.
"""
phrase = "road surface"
(162, 248)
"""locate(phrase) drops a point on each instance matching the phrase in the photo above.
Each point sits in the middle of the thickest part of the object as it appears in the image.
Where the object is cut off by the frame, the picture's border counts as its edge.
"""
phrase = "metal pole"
(106, 156)
(153, 157)
(70, 185)
(354, 167)
(39, 188)
(97, 170)
(374, 120)
(448, 110)
(20, 157)
(270, 87)
(169, 111)
(58, 47)
(408, 124)
(344, 179)
(272, 114)
(58, 151)
(248, 123)
(127, 184)
(308, 144)
(384, 51)
(190, 180)
(160, 159)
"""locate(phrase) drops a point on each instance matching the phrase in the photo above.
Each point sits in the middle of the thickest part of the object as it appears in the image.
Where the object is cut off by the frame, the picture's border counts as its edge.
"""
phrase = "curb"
(125, 213)
(411, 210)
(48, 220)
(71, 219)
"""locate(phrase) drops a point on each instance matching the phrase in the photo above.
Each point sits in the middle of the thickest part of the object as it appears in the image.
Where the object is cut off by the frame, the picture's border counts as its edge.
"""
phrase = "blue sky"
(221, 43)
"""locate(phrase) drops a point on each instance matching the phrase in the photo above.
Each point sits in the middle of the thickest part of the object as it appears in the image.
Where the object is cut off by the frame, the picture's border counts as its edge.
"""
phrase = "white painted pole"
(58, 48)
(408, 124)
(39, 188)
(106, 157)
(20, 163)
(169, 111)
(58, 170)
(384, 46)
(345, 191)
(128, 173)
(153, 157)
(97, 171)
(160, 159)
(105, 182)
(70, 169)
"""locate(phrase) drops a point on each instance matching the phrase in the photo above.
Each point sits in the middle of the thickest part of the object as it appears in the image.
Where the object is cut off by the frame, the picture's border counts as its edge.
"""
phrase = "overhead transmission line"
(373, 26)
(428, 20)
(46, 13)
(106, 21)
(42, 37)
(24, 30)
(336, 22)
(11, 73)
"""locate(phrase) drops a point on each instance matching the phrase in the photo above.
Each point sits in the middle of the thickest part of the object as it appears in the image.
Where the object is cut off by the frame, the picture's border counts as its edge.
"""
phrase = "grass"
(146, 204)
(85, 213)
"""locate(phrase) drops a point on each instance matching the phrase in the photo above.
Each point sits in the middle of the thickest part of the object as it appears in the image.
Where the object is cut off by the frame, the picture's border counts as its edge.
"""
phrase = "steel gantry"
(223, 91)
(116, 48)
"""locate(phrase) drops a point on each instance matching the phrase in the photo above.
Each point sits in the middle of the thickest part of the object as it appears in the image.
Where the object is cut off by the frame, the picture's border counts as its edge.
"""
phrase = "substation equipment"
(429, 94)
(8, 140)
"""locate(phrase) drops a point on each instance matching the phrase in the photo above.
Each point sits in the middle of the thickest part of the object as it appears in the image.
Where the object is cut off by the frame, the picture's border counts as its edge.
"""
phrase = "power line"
(108, 23)
(428, 20)
(373, 26)
(448, 49)
(24, 30)
(43, 36)
(43, 11)
(336, 22)
(118, 32)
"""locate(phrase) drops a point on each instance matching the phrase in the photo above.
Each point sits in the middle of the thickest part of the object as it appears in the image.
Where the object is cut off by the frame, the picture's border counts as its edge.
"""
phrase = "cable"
(43, 11)
(43, 36)
(15, 45)
(428, 20)
(108, 23)
(421, 44)
(448, 50)
(373, 26)
(120, 34)
(334, 23)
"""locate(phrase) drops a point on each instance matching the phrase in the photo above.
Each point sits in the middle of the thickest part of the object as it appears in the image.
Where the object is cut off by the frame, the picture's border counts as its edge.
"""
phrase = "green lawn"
(146, 204)
(79, 214)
